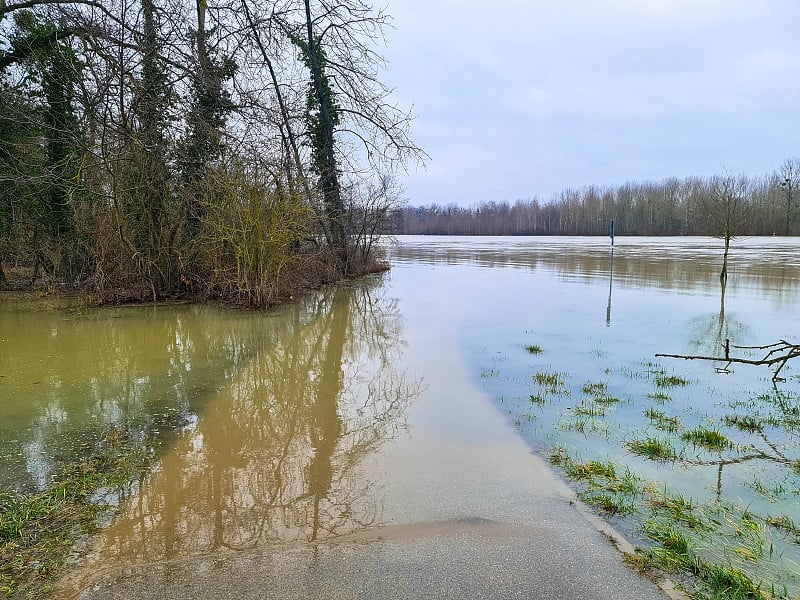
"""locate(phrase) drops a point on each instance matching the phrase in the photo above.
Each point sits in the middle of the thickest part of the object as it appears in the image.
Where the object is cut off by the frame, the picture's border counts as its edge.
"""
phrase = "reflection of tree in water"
(769, 436)
(71, 376)
(709, 331)
(278, 455)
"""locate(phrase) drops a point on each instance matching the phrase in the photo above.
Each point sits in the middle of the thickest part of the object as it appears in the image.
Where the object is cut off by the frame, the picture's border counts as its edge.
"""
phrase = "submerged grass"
(549, 380)
(37, 531)
(659, 397)
(653, 448)
(662, 380)
(725, 547)
(744, 423)
(710, 439)
(601, 485)
(660, 420)
(595, 389)
(533, 349)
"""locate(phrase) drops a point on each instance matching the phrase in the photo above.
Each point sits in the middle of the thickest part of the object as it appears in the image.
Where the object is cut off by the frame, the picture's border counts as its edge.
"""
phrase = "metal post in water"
(610, 277)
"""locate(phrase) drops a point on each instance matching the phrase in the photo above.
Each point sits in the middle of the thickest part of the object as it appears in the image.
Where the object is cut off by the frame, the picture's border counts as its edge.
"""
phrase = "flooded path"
(358, 444)
(427, 491)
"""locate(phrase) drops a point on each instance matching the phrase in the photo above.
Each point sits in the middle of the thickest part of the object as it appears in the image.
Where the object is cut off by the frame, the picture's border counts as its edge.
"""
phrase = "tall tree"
(209, 108)
(348, 115)
(148, 198)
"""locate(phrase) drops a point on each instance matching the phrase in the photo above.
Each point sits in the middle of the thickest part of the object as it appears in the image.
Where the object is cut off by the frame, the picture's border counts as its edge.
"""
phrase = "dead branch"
(779, 354)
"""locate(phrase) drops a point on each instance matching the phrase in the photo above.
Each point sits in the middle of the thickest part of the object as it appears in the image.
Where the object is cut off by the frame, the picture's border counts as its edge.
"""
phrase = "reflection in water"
(669, 263)
(713, 333)
(277, 455)
(66, 376)
(610, 277)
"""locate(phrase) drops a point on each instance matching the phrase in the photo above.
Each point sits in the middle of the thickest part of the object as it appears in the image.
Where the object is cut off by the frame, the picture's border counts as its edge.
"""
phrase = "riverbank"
(41, 531)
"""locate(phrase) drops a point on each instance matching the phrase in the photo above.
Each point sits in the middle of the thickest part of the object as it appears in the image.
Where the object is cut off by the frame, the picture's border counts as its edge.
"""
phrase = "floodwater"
(319, 419)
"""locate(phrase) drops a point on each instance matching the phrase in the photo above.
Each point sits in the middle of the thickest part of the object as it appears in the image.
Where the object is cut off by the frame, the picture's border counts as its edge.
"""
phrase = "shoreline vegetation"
(42, 532)
(243, 158)
(234, 161)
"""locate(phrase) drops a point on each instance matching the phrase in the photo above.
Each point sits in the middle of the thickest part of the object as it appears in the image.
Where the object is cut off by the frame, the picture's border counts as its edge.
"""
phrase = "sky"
(516, 99)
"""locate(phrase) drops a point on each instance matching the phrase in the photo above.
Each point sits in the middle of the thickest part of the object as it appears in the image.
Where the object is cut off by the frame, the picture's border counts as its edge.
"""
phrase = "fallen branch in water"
(778, 353)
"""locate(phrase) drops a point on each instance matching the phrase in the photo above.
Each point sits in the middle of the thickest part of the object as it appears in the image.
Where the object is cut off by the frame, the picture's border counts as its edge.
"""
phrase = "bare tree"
(726, 208)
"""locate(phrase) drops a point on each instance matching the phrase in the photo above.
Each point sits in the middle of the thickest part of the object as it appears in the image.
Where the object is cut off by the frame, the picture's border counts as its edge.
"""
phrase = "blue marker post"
(612, 232)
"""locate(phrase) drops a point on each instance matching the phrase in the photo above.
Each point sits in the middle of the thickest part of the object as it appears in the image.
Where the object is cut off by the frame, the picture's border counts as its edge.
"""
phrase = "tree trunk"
(329, 176)
(723, 276)
(289, 136)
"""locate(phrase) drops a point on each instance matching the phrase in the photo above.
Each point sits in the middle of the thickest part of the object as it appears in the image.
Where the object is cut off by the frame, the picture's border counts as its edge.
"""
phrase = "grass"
(677, 509)
(709, 439)
(720, 547)
(590, 470)
(662, 380)
(534, 349)
(660, 420)
(595, 389)
(747, 423)
(548, 380)
(674, 553)
(653, 448)
(591, 409)
(601, 486)
(37, 531)
(785, 525)
(607, 503)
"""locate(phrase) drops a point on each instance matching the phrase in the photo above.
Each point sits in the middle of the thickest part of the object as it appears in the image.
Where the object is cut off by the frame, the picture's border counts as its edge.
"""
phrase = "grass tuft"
(662, 380)
(549, 380)
(37, 531)
(661, 421)
(653, 448)
(744, 423)
(710, 439)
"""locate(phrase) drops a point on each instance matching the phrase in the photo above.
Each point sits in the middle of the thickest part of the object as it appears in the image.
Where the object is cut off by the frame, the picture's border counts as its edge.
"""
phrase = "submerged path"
(468, 512)
(529, 541)
(447, 502)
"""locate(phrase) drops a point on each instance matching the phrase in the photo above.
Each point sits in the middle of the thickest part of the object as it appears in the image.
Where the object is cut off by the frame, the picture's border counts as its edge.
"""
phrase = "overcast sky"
(523, 98)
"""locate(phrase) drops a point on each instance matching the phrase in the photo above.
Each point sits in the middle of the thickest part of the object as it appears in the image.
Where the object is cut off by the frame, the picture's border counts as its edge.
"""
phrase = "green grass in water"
(710, 439)
(38, 530)
(652, 448)
(662, 380)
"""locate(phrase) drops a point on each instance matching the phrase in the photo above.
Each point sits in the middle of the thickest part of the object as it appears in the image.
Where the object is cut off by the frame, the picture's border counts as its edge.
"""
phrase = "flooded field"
(664, 447)
(393, 400)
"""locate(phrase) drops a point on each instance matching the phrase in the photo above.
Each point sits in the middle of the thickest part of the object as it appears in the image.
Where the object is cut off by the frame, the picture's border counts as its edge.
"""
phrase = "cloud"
(537, 96)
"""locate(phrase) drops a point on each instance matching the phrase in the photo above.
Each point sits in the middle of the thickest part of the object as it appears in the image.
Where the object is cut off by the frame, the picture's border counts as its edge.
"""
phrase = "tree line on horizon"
(724, 206)
(224, 149)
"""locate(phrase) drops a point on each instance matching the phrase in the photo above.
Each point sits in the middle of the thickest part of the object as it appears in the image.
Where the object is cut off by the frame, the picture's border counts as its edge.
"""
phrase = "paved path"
(483, 561)
(548, 549)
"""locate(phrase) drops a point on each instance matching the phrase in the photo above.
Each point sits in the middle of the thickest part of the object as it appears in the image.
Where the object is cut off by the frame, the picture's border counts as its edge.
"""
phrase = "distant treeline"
(743, 205)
